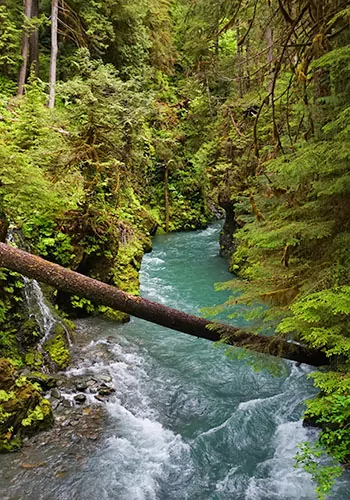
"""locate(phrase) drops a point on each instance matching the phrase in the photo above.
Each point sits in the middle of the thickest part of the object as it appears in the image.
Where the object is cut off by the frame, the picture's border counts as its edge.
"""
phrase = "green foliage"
(41, 412)
(10, 36)
(58, 349)
(322, 320)
(308, 457)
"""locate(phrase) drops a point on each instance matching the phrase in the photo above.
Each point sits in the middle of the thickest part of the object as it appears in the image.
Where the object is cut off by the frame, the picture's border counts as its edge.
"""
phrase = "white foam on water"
(277, 478)
(253, 403)
(141, 455)
(155, 261)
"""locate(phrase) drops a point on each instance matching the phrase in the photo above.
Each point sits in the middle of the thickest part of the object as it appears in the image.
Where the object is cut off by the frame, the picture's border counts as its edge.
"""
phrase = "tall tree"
(54, 52)
(34, 41)
(28, 9)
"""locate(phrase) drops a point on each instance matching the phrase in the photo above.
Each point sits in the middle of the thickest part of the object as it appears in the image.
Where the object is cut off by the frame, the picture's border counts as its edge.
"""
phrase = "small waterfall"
(35, 300)
(38, 308)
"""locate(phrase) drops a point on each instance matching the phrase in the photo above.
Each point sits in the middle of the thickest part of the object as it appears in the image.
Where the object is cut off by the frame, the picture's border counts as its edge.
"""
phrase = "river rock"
(100, 398)
(67, 403)
(106, 378)
(81, 386)
(55, 393)
(104, 390)
(54, 402)
(80, 398)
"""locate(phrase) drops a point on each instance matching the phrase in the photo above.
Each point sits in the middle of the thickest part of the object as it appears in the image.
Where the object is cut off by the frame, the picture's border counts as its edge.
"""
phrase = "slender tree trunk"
(269, 40)
(217, 29)
(34, 42)
(101, 293)
(54, 52)
(27, 5)
(247, 54)
(166, 196)
(240, 65)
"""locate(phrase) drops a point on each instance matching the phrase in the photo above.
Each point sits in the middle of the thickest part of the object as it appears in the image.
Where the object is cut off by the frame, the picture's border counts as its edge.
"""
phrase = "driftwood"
(101, 293)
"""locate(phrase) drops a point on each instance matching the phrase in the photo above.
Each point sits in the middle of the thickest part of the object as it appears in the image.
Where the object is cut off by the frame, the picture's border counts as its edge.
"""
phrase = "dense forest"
(122, 118)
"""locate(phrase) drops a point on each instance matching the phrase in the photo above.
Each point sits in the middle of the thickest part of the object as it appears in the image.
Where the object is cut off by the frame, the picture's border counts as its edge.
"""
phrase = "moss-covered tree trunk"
(101, 293)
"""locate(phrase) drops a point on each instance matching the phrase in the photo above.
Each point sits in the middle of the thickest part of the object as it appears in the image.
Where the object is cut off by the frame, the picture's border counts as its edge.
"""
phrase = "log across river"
(100, 293)
(185, 422)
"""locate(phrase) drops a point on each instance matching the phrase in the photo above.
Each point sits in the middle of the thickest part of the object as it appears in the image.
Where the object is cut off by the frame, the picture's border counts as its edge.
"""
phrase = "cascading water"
(38, 308)
(185, 422)
(35, 299)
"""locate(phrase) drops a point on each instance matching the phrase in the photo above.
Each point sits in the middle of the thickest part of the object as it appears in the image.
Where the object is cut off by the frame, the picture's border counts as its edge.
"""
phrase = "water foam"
(276, 477)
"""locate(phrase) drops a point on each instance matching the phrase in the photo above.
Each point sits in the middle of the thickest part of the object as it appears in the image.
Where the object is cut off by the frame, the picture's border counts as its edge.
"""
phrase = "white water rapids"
(186, 422)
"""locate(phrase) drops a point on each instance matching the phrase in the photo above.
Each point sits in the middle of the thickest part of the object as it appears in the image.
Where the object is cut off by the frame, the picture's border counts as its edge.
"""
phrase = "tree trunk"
(269, 40)
(100, 293)
(54, 51)
(25, 48)
(34, 42)
(240, 65)
(166, 196)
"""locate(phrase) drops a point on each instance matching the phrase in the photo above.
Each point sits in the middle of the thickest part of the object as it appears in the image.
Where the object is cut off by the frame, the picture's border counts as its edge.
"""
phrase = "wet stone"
(106, 378)
(100, 398)
(55, 393)
(67, 403)
(80, 398)
(81, 386)
(105, 390)
(54, 402)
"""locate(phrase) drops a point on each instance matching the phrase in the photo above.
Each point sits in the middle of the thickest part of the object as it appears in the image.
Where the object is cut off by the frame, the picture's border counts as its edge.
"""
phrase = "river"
(186, 421)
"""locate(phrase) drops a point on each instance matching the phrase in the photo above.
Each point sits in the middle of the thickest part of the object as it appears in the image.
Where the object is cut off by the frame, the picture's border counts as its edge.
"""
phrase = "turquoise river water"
(186, 422)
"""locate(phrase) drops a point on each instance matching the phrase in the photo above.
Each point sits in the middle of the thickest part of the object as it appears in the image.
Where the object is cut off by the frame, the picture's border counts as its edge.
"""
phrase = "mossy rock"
(58, 349)
(7, 377)
(23, 410)
(46, 382)
(29, 333)
(34, 359)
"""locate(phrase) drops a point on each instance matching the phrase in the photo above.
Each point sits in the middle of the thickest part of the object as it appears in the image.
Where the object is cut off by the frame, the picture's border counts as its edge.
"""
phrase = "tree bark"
(25, 49)
(269, 40)
(166, 196)
(101, 293)
(34, 42)
(54, 52)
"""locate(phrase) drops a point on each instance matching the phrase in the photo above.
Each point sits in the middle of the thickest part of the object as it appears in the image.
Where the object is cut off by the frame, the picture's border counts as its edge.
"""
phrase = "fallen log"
(101, 293)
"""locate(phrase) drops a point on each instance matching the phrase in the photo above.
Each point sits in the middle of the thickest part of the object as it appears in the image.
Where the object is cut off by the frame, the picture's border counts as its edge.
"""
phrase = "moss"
(7, 445)
(126, 272)
(34, 359)
(114, 315)
(6, 374)
(29, 332)
(57, 348)
(45, 381)
(39, 418)
(23, 410)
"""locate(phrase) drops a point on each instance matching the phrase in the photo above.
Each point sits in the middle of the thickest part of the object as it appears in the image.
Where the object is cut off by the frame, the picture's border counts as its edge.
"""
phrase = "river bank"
(184, 422)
